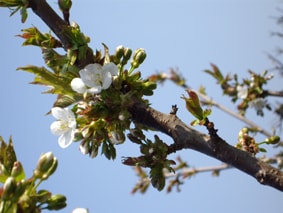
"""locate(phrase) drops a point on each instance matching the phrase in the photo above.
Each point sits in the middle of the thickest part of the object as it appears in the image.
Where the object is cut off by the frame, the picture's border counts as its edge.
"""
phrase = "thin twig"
(228, 111)
(198, 170)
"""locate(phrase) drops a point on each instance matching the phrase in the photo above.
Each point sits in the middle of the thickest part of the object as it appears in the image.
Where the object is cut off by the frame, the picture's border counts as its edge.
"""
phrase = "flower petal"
(78, 85)
(107, 80)
(66, 139)
(94, 90)
(56, 128)
(91, 74)
(111, 67)
(58, 113)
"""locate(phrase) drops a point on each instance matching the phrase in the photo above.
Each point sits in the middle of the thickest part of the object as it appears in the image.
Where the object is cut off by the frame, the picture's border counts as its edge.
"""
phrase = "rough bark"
(184, 137)
(187, 138)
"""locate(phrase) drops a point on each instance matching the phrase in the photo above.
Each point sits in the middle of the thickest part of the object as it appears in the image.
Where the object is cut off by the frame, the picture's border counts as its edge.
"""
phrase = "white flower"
(94, 78)
(64, 127)
(242, 92)
(258, 104)
(80, 210)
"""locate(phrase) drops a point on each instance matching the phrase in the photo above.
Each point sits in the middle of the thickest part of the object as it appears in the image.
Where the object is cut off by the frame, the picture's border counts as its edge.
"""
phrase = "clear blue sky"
(187, 34)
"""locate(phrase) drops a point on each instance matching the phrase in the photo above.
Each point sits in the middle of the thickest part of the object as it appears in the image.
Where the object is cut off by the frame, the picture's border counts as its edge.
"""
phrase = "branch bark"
(42, 9)
(187, 138)
(184, 137)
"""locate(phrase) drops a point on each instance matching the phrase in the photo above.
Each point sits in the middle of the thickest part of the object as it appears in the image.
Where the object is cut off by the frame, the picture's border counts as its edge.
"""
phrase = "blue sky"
(235, 35)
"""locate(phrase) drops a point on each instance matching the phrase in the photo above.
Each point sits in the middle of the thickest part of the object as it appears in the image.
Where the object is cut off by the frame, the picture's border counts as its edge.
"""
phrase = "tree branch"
(186, 138)
(58, 26)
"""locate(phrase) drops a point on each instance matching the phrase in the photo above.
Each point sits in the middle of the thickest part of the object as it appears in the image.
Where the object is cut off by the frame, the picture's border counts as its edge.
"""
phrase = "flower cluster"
(101, 94)
(94, 78)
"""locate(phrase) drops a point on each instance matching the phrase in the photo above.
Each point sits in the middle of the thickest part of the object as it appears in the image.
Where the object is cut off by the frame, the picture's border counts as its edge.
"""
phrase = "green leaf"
(193, 104)
(24, 14)
(63, 101)
(10, 156)
(61, 85)
(215, 73)
(262, 149)
(157, 177)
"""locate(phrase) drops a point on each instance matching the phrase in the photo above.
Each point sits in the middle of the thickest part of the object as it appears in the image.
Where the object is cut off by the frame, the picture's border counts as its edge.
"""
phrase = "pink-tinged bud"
(18, 171)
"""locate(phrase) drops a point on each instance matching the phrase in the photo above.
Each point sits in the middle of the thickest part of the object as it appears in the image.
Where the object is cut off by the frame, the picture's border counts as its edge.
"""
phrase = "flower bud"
(127, 55)
(138, 58)
(272, 140)
(56, 202)
(43, 196)
(52, 169)
(18, 171)
(46, 165)
(65, 5)
(9, 188)
(119, 52)
(149, 87)
(21, 187)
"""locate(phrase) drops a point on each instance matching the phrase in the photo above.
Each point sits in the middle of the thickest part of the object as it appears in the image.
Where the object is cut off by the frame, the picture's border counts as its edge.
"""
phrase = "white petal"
(58, 112)
(66, 139)
(93, 67)
(56, 128)
(72, 123)
(78, 85)
(111, 67)
(94, 90)
(91, 74)
(107, 80)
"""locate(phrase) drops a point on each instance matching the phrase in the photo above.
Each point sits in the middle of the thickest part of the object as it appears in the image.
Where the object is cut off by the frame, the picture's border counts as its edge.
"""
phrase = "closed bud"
(18, 171)
(9, 188)
(150, 85)
(46, 165)
(56, 202)
(119, 52)
(272, 140)
(65, 5)
(138, 58)
(21, 187)
(43, 196)
(51, 170)
(127, 55)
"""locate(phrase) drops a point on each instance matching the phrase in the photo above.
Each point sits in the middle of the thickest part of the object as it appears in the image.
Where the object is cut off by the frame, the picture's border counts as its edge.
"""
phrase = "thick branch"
(187, 138)
(51, 19)
(58, 26)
